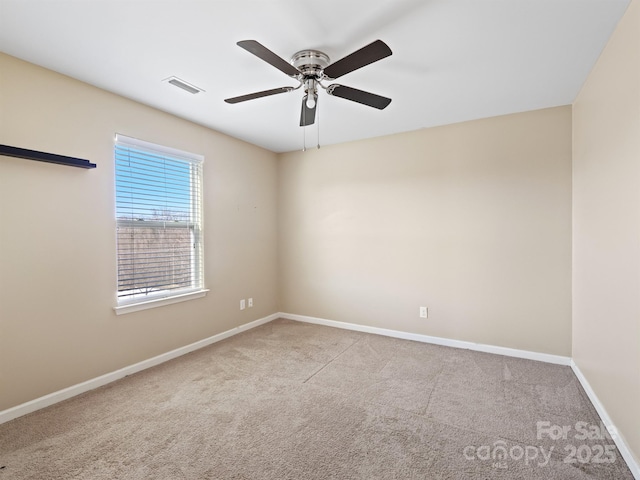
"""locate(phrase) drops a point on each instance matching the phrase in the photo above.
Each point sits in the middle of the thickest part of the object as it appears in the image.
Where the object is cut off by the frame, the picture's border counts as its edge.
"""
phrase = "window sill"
(159, 302)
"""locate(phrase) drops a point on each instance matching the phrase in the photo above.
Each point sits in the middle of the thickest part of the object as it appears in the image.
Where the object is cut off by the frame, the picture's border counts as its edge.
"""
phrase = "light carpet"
(290, 400)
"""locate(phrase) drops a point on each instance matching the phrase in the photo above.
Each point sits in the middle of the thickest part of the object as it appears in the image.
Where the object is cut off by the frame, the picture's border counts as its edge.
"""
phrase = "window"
(159, 222)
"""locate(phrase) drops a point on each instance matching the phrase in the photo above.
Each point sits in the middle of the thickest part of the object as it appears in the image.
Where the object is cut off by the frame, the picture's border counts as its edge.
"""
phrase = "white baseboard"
(72, 391)
(509, 352)
(624, 450)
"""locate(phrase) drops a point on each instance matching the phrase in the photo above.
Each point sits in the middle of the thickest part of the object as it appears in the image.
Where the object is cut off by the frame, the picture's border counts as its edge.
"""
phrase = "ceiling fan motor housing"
(310, 62)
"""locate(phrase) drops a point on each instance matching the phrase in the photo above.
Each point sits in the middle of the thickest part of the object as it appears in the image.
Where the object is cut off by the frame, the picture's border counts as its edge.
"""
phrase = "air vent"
(183, 85)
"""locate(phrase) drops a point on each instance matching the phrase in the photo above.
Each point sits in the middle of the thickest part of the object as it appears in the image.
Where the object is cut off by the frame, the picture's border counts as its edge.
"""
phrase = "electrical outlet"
(242, 304)
(424, 312)
(250, 303)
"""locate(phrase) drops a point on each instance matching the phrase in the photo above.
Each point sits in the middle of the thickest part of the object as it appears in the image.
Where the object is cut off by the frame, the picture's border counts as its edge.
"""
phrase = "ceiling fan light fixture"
(311, 100)
(311, 91)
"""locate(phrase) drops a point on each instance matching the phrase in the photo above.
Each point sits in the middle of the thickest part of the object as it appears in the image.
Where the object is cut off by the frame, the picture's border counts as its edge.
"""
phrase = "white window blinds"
(159, 221)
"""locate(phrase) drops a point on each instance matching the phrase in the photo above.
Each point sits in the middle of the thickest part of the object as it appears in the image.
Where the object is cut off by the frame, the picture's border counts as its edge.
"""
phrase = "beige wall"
(57, 235)
(472, 220)
(606, 228)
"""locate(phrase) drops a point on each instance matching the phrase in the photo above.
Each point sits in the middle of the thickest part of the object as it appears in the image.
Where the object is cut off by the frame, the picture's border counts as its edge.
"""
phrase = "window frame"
(197, 289)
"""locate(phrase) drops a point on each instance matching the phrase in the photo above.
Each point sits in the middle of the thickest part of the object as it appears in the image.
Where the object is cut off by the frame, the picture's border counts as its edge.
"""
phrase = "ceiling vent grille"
(177, 82)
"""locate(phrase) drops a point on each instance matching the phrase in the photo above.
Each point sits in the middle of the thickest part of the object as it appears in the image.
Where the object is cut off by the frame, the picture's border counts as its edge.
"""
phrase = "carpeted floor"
(289, 400)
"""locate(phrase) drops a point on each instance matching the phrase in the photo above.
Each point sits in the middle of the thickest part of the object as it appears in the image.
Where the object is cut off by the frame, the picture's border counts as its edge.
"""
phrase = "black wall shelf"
(45, 157)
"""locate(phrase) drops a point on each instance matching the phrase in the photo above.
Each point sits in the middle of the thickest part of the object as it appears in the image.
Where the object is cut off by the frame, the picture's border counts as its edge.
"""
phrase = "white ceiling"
(453, 60)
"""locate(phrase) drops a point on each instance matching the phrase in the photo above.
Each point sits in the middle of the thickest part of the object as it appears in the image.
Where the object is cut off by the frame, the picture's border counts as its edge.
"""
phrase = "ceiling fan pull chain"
(318, 123)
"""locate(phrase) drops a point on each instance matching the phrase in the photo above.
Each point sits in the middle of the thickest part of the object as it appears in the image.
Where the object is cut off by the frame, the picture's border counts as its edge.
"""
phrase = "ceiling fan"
(311, 68)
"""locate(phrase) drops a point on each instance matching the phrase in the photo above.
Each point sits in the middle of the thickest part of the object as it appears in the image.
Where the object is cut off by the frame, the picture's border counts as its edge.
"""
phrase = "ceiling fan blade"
(307, 115)
(268, 56)
(371, 53)
(360, 96)
(265, 93)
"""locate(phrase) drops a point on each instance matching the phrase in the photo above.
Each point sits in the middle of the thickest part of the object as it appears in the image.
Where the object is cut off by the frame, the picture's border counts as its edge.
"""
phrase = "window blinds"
(159, 217)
